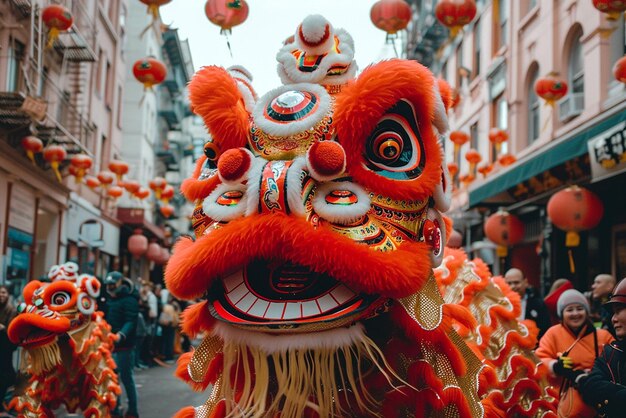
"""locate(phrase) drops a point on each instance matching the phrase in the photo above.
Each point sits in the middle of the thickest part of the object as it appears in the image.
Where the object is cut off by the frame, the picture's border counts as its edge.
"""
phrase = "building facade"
(493, 64)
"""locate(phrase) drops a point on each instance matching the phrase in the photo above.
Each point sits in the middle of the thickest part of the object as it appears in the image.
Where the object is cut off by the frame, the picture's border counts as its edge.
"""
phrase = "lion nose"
(274, 187)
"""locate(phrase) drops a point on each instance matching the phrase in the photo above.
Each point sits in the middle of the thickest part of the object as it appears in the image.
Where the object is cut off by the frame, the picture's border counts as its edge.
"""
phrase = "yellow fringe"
(42, 359)
(293, 380)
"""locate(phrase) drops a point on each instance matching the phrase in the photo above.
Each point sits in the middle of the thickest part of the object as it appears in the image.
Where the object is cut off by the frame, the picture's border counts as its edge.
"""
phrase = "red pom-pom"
(326, 160)
(234, 164)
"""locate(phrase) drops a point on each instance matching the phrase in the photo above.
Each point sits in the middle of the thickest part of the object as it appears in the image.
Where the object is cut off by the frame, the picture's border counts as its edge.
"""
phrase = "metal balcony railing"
(22, 7)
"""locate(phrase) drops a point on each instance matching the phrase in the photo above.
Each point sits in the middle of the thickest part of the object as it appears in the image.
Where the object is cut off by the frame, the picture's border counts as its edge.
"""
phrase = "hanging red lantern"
(458, 138)
(453, 169)
(167, 210)
(454, 14)
(149, 71)
(132, 186)
(391, 16)
(167, 193)
(137, 244)
(574, 209)
(619, 70)
(551, 88)
(165, 256)
(106, 178)
(54, 155)
(613, 8)
(157, 185)
(504, 229)
(57, 19)
(506, 160)
(497, 136)
(142, 193)
(153, 6)
(115, 192)
(120, 168)
(81, 164)
(154, 251)
(92, 182)
(456, 98)
(455, 239)
(473, 157)
(467, 179)
(32, 145)
(485, 169)
(226, 13)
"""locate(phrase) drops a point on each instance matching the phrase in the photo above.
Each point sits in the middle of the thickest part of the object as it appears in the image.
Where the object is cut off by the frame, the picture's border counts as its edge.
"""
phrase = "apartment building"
(493, 64)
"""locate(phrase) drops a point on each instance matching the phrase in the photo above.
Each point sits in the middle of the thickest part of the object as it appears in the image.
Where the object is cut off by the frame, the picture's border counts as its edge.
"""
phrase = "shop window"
(533, 107)
(501, 23)
(15, 56)
(476, 54)
(500, 120)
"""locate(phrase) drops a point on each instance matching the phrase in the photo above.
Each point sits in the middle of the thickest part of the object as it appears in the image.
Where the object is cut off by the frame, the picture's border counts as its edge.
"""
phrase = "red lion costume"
(318, 223)
(67, 345)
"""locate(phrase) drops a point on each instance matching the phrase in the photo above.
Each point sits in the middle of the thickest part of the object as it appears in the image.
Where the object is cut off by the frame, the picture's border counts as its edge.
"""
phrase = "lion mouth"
(282, 294)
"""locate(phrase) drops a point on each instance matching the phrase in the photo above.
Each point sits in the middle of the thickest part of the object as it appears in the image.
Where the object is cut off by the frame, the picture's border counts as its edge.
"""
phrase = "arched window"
(533, 106)
(576, 66)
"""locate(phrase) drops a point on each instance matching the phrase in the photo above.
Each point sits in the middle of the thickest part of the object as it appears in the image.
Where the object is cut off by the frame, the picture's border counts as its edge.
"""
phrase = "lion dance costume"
(318, 224)
(67, 346)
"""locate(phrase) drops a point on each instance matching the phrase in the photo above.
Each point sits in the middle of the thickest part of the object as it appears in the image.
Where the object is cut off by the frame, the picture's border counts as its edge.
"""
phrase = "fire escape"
(50, 100)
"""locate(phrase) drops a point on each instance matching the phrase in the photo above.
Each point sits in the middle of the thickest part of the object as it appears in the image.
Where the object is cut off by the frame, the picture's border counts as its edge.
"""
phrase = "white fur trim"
(443, 195)
(90, 283)
(241, 72)
(294, 186)
(339, 214)
(270, 344)
(245, 175)
(289, 73)
(320, 177)
(313, 29)
(433, 214)
(81, 308)
(287, 129)
(440, 118)
(219, 212)
(253, 185)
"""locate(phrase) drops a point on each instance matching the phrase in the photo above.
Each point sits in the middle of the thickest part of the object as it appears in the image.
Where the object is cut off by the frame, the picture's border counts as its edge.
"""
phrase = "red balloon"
(575, 209)
(391, 15)
(226, 13)
(504, 229)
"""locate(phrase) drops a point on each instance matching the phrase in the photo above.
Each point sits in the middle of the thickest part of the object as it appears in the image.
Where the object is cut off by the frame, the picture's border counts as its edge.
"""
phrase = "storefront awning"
(543, 159)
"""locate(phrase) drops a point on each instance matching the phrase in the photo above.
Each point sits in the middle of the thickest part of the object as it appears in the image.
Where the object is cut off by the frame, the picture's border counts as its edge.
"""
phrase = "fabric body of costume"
(604, 387)
(536, 310)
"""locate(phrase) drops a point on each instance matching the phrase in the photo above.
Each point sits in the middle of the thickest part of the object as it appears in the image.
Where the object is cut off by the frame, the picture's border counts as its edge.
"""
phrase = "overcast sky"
(256, 42)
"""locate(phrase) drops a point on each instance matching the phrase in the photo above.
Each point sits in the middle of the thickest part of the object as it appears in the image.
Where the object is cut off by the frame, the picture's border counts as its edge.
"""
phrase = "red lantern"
(506, 160)
(454, 14)
(497, 136)
(455, 239)
(106, 178)
(54, 155)
(81, 163)
(453, 169)
(167, 193)
(551, 88)
(485, 169)
(165, 255)
(149, 71)
(613, 8)
(58, 19)
(154, 251)
(153, 6)
(32, 145)
(157, 185)
(115, 192)
(504, 229)
(142, 193)
(467, 179)
(456, 98)
(619, 70)
(92, 182)
(137, 244)
(391, 16)
(119, 168)
(132, 186)
(167, 210)
(226, 13)
(473, 157)
(458, 138)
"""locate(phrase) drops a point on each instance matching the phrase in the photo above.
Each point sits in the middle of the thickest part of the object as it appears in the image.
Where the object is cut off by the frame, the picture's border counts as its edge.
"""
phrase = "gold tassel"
(42, 359)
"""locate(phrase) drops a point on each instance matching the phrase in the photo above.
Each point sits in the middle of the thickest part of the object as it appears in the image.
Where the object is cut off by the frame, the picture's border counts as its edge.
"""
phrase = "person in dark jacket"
(7, 373)
(533, 306)
(605, 386)
(122, 310)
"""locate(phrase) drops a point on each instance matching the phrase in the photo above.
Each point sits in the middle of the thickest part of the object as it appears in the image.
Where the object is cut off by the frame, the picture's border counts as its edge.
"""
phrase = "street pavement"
(160, 393)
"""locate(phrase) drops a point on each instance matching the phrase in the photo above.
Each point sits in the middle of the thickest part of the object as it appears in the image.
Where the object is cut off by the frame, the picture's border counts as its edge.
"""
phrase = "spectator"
(122, 310)
(569, 350)
(605, 386)
(7, 373)
(556, 290)
(149, 308)
(169, 322)
(601, 289)
(533, 307)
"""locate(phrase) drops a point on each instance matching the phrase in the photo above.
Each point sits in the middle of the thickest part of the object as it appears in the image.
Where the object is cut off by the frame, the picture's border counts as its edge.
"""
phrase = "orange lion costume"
(318, 224)
(67, 347)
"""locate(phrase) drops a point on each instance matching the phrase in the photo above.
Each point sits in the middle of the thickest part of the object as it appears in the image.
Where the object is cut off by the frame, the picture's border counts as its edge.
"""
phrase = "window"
(43, 80)
(474, 136)
(119, 106)
(533, 107)
(122, 28)
(501, 23)
(108, 86)
(99, 66)
(500, 119)
(459, 65)
(576, 66)
(103, 152)
(618, 43)
(14, 67)
(476, 55)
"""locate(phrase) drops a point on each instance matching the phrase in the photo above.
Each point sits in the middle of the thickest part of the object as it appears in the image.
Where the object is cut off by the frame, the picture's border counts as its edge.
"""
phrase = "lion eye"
(60, 298)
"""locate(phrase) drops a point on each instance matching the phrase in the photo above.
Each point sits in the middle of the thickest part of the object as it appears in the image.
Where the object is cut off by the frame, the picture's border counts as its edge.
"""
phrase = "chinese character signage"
(607, 152)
